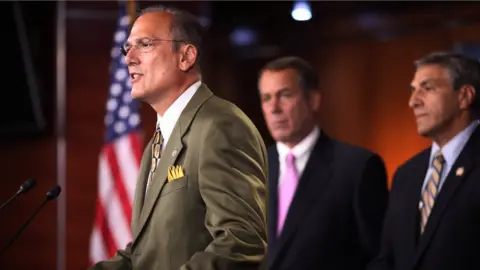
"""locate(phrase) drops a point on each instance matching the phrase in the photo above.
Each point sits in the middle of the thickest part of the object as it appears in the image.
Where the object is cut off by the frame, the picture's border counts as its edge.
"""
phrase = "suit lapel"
(141, 185)
(273, 172)
(160, 177)
(412, 218)
(465, 162)
(172, 150)
(312, 184)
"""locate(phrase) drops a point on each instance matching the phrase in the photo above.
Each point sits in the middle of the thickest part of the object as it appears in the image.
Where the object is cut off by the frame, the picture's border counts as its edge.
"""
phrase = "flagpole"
(61, 142)
(131, 7)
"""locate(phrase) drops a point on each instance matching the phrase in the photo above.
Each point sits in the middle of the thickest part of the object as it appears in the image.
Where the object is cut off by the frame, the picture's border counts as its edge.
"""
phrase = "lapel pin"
(174, 153)
(460, 171)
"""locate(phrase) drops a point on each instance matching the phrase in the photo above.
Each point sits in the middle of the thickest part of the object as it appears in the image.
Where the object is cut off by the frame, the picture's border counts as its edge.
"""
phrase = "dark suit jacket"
(335, 218)
(213, 217)
(452, 234)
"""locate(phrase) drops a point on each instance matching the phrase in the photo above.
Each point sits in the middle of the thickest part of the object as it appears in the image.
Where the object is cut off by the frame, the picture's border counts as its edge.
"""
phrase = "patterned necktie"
(156, 152)
(431, 190)
(287, 191)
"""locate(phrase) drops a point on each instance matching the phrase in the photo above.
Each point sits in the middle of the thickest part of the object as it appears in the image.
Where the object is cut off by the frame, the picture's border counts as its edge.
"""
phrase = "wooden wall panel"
(345, 77)
(23, 156)
(21, 159)
(87, 86)
(393, 133)
(365, 86)
(378, 117)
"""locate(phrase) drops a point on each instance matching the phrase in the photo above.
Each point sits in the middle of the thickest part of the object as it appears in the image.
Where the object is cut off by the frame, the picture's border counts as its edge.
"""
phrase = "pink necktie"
(287, 190)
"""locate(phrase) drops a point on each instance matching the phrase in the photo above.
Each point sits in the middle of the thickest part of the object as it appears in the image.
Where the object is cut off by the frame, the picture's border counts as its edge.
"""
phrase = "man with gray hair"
(200, 196)
(433, 219)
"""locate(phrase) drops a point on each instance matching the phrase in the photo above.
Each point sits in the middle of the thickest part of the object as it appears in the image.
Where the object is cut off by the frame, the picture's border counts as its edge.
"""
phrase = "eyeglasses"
(144, 45)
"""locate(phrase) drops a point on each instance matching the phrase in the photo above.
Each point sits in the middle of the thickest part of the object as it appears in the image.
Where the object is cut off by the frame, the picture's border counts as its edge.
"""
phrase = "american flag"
(120, 156)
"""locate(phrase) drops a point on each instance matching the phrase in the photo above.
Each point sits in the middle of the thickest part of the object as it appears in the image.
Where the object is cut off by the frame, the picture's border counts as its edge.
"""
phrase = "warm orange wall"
(365, 83)
(365, 87)
(393, 132)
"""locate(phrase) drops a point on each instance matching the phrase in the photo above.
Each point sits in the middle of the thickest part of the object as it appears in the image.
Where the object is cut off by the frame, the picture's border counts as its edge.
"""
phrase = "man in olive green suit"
(200, 196)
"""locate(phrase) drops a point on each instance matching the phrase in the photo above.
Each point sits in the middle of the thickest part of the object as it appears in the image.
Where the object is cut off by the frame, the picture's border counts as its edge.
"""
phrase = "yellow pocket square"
(175, 172)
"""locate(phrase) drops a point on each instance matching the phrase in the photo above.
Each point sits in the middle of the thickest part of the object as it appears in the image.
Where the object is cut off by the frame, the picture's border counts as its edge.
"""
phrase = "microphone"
(25, 187)
(52, 194)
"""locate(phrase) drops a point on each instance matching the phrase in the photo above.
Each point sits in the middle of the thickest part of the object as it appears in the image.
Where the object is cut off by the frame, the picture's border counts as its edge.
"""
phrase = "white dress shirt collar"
(169, 119)
(452, 149)
(301, 151)
(302, 147)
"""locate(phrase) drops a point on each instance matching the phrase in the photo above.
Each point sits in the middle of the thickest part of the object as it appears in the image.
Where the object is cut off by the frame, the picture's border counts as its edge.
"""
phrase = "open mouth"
(135, 77)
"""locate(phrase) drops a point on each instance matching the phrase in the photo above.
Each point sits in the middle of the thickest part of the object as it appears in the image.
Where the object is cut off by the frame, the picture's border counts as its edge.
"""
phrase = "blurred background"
(56, 83)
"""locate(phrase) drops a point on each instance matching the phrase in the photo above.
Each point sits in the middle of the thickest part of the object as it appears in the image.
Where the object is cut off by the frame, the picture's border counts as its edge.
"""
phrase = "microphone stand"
(23, 227)
(52, 194)
(9, 200)
(25, 187)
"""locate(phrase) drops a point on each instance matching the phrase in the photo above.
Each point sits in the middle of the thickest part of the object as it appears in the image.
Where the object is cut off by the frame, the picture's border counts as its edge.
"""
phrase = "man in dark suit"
(326, 198)
(433, 218)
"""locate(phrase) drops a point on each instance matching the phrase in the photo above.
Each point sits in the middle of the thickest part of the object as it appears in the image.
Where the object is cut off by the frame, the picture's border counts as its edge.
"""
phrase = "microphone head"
(53, 193)
(27, 185)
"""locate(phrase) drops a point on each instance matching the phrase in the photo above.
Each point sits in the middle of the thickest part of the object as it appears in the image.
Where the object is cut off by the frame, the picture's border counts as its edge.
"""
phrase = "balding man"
(200, 196)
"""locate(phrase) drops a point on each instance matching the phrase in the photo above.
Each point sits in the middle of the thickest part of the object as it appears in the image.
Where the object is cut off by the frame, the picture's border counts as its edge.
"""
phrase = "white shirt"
(301, 151)
(170, 117)
(450, 152)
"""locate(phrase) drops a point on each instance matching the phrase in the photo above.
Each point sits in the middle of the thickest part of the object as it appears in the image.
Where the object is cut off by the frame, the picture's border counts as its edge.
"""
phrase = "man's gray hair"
(185, 28)
(462, 71)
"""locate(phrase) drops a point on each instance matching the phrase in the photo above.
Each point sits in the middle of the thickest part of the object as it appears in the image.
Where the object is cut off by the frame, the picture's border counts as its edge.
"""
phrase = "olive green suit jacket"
(214, 217)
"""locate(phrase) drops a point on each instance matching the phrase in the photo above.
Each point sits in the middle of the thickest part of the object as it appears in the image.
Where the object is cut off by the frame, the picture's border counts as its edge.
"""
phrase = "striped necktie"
(156, 153)
(431, 190)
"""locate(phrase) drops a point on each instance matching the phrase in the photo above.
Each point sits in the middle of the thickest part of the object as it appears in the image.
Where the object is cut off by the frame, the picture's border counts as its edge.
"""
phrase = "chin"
(422, 133)
(425, 132)
(137, 94)
(282, 137)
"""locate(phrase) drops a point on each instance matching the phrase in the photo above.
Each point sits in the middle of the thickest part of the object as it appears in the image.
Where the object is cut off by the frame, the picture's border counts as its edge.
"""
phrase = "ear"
(315, 100)
(466, 96)
(188, 57)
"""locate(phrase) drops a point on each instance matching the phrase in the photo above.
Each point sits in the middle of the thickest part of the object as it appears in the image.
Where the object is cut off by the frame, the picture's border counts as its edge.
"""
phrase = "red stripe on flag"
(102, 225)
(118, 182)
(135, 143)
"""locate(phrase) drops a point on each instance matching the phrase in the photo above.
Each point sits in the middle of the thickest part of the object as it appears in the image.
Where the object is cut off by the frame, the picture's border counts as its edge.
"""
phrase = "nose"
(131, 59)
(413, 101)
(275, 107)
